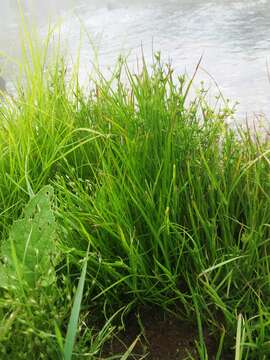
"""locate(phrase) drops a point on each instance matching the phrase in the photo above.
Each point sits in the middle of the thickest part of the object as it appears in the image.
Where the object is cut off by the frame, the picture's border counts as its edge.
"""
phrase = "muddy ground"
(161, 337)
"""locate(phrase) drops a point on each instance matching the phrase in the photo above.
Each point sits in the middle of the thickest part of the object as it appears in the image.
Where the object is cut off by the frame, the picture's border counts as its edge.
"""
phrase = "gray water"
(233, 37)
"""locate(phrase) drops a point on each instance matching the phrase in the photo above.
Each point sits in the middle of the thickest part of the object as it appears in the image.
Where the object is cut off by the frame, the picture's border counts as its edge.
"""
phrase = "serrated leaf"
(28, 252)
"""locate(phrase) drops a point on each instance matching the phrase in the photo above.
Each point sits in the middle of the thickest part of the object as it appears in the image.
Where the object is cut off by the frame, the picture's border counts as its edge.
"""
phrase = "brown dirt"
(161, 338)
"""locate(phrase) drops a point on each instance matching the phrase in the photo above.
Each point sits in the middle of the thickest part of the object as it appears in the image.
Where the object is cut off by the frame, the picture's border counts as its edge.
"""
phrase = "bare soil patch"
(161, 337)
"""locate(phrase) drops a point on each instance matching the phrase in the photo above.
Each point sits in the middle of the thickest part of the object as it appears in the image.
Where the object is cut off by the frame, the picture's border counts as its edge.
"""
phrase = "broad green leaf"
(27, 254)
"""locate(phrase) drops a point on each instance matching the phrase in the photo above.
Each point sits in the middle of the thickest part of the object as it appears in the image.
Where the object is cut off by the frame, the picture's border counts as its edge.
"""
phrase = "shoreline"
(124, 198)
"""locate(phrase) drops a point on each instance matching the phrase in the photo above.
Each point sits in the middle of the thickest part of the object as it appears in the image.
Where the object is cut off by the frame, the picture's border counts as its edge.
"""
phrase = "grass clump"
(156, 199)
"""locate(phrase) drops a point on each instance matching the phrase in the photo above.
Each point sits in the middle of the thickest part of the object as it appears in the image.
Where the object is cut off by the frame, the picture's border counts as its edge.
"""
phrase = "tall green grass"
(172, 204)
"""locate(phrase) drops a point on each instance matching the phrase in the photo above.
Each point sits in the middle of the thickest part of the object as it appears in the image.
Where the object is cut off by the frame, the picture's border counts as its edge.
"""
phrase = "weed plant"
(156, 202)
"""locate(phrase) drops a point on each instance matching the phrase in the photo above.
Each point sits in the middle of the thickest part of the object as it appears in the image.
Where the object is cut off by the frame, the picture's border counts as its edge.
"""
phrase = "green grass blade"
(130, 349)
(75, 312)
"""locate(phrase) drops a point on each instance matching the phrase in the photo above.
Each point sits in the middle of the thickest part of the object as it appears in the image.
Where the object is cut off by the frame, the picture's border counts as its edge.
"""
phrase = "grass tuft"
(170, 204)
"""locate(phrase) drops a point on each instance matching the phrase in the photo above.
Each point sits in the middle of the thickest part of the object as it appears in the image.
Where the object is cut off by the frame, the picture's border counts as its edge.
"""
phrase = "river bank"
(123, 198)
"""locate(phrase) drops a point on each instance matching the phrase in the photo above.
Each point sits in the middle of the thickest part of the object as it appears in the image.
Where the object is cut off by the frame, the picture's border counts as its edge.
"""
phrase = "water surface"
(233, 37)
